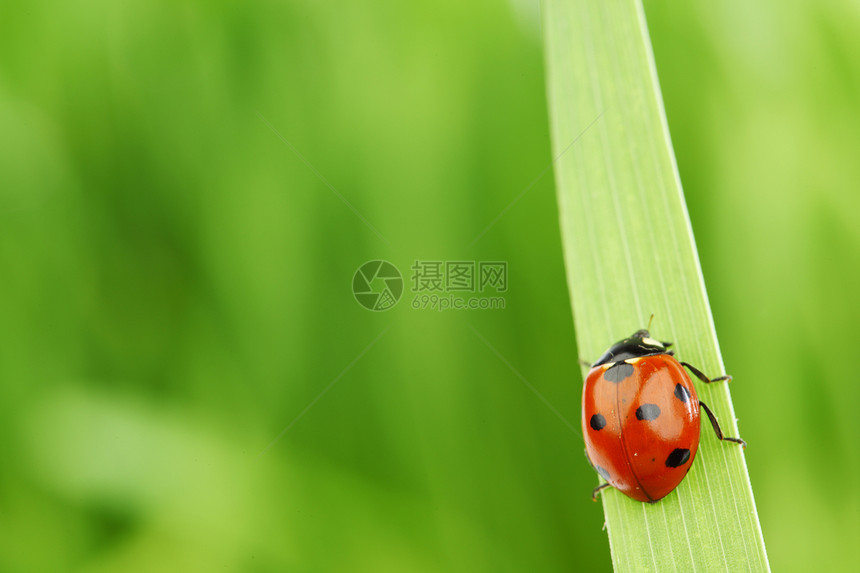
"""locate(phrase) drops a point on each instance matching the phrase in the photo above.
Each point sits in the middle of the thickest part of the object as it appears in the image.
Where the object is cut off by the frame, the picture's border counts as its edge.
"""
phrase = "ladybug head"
(638, 345)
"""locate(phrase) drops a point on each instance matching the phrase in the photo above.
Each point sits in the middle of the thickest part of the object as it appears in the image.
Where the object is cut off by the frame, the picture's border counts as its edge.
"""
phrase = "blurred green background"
(175, 282)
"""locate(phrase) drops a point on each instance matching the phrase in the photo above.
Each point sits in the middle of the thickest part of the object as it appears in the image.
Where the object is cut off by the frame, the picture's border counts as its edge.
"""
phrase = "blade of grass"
(630, 252)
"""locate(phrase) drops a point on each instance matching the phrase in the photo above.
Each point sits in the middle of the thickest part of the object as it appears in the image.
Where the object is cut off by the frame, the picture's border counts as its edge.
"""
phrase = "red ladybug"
(640, 418)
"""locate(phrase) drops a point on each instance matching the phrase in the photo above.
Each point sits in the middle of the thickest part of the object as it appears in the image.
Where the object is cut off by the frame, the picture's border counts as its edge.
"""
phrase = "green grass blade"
(630, 252)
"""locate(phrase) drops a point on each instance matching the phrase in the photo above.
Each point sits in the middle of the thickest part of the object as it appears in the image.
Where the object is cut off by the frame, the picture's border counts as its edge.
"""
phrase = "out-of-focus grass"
(174, 282)
(776, 182)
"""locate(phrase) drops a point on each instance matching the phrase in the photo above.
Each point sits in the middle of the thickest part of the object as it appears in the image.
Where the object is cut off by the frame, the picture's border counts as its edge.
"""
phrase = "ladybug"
(640, 418)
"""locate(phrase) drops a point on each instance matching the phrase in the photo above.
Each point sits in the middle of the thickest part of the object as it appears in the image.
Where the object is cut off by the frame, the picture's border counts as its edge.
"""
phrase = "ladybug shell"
(640, 420)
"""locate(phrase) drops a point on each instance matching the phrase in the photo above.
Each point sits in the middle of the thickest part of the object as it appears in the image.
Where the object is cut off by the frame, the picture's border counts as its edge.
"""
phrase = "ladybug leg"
(597, 490)
(716, 426)
(585, 363)
(702, 377)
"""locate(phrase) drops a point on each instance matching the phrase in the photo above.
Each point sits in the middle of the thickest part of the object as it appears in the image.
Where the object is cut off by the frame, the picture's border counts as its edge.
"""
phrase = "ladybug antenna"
(650, 320)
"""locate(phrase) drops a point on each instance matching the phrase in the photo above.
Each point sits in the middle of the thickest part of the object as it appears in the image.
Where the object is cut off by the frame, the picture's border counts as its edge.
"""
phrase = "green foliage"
(175, 282)
(630, 252)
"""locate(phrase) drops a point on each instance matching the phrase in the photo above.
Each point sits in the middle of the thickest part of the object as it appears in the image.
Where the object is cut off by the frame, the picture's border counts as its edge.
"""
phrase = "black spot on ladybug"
(597, 422)
(647, 412)
(678, 457)
(619, 372)
(603, 473)
(682, 393)
(653, 459)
